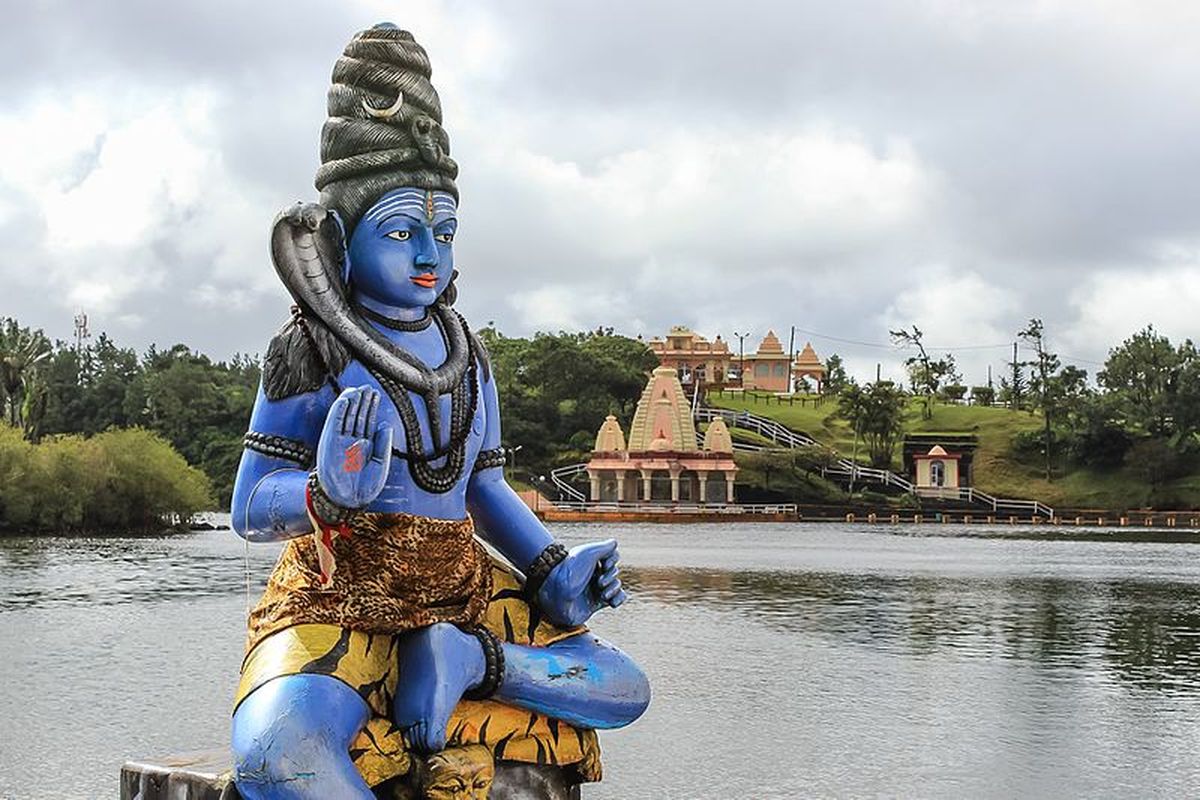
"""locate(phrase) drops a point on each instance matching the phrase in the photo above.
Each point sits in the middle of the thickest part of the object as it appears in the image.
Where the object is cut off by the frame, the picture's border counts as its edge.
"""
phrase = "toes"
(417, 737)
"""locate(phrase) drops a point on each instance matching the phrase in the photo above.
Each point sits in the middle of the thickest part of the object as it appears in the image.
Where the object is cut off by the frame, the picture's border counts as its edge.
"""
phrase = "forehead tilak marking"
(412, 200)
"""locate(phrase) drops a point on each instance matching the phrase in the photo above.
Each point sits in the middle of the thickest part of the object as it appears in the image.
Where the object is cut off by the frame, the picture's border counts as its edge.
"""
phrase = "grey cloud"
(1061, 144)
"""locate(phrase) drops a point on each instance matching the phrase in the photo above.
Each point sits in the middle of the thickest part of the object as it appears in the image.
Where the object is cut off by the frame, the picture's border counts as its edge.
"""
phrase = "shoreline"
(1068, 518)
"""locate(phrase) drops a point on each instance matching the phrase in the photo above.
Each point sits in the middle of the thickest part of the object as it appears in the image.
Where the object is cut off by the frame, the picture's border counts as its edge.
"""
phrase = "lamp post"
(513, 452)
(741, 337)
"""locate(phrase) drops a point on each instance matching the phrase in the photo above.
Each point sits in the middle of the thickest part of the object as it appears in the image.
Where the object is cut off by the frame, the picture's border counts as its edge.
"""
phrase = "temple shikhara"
(662, 460)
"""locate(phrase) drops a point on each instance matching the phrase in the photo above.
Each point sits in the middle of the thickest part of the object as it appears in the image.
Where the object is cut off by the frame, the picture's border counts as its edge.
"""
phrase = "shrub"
(983, 395)
(955, 392)
(127, 481)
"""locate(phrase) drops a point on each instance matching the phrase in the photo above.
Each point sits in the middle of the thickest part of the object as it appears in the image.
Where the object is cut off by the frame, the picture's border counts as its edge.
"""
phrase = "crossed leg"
(582, 680)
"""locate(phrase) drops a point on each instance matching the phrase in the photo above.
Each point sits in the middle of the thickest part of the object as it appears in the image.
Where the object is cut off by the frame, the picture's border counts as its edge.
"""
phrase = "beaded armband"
(278, 447)
(540, 569)
(323, 508)
(489, 458)
(493, 675)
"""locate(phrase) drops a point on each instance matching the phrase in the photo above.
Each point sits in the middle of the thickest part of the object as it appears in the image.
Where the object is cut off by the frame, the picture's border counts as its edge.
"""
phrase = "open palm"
(354, 451)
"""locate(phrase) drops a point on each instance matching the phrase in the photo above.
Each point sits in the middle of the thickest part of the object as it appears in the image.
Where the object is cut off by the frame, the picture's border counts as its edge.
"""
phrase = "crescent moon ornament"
(384, 113)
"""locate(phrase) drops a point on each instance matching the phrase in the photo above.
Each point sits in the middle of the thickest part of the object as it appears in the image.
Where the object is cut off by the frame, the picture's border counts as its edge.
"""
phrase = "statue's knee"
(637, 690)
(260, 746)
(290, 724)
(625, 682)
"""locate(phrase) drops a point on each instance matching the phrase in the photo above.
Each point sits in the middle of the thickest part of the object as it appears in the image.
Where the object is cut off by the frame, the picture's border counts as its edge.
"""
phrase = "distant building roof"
(770, 344)
(717, 438)
(663, 415)
(808, 359)
(610, 438)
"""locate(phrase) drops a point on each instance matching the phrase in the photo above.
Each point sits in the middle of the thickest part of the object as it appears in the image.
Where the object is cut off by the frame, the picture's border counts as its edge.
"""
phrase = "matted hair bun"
(385, 125)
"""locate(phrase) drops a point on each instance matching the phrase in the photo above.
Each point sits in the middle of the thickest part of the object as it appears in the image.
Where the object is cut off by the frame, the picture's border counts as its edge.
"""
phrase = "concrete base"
(206, 776)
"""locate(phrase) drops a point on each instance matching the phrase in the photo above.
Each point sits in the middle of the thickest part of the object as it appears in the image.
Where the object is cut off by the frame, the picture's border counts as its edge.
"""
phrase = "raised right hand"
(354, 451)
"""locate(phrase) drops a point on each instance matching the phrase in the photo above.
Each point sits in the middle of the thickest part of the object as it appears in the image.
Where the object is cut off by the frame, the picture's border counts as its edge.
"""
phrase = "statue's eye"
(445, 238)
(399, 236)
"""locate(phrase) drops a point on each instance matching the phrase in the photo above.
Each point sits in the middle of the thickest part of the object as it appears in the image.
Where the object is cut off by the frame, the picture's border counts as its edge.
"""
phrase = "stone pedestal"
(206, 776)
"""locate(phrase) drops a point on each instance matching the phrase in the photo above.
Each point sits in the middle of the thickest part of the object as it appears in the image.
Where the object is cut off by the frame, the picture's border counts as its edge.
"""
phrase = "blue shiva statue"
(387, 632)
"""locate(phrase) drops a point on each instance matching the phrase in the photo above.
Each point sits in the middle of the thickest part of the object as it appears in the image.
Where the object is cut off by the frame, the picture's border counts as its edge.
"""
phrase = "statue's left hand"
(587, 580)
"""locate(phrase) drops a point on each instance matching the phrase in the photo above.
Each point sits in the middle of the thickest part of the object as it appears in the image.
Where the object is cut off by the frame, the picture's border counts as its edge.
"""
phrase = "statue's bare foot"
(437, 664)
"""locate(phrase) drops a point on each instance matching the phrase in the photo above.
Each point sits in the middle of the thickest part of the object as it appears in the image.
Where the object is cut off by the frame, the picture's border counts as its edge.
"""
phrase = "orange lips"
(425, 279)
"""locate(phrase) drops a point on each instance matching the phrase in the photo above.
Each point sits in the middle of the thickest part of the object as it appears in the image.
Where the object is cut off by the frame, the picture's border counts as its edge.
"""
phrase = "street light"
(741, 337)
(513, 452)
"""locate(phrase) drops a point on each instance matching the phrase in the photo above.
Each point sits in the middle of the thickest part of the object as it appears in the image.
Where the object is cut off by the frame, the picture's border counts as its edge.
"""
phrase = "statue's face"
(459, 773)
(401, 253)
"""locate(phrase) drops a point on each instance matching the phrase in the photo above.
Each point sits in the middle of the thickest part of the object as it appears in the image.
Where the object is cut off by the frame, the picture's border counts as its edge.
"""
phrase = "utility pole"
(1016, 380)
(741, 337)
(791, 359)
(878, 371)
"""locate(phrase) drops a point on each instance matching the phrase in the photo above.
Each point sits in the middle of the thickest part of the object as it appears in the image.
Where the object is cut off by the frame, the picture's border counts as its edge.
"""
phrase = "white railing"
(781, 434)
(970, 494)
(560, 479)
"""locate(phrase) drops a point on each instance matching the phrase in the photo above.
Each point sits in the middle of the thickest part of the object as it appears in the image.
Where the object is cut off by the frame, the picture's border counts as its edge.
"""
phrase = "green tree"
(120, 481)
(1046, 390)
(21, 351)
(556, 389)
(835, 374)
(876, 413)
(983, 395)
(201, 407)
(926, 374)
(1157, 385)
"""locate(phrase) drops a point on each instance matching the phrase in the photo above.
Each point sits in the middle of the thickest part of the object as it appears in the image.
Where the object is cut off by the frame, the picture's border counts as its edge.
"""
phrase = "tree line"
(555, 389)
(198, 406)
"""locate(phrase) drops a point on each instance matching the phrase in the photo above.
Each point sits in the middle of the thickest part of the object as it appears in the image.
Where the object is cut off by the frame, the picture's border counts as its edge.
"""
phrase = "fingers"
(337, 411)
(609, 574)
(353, 398)
(620, 598)
(600, 552)
(359, 410)
(609, 592)
(381, 444)
(368, 426)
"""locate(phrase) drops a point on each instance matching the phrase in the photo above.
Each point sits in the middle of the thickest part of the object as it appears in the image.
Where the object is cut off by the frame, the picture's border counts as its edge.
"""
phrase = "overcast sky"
(841, 167)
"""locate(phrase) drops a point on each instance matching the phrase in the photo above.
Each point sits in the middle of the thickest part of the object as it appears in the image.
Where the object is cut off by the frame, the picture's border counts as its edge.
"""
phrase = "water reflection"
(1144, 633)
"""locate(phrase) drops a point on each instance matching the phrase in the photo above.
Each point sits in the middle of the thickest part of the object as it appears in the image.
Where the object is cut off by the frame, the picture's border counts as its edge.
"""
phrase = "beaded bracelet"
(493, 675)
(325, 510)
(541, 567)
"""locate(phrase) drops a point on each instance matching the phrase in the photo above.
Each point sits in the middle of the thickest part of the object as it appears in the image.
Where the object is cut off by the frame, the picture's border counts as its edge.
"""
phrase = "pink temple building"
(693, 356)
(768, 369)
(662, 461)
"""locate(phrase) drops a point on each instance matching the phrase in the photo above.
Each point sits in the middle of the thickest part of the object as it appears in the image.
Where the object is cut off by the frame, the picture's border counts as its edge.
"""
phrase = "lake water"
(786, 660)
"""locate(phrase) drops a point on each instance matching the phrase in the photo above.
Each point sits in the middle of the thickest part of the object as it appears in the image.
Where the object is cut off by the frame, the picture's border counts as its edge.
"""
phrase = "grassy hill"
(997, 469)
